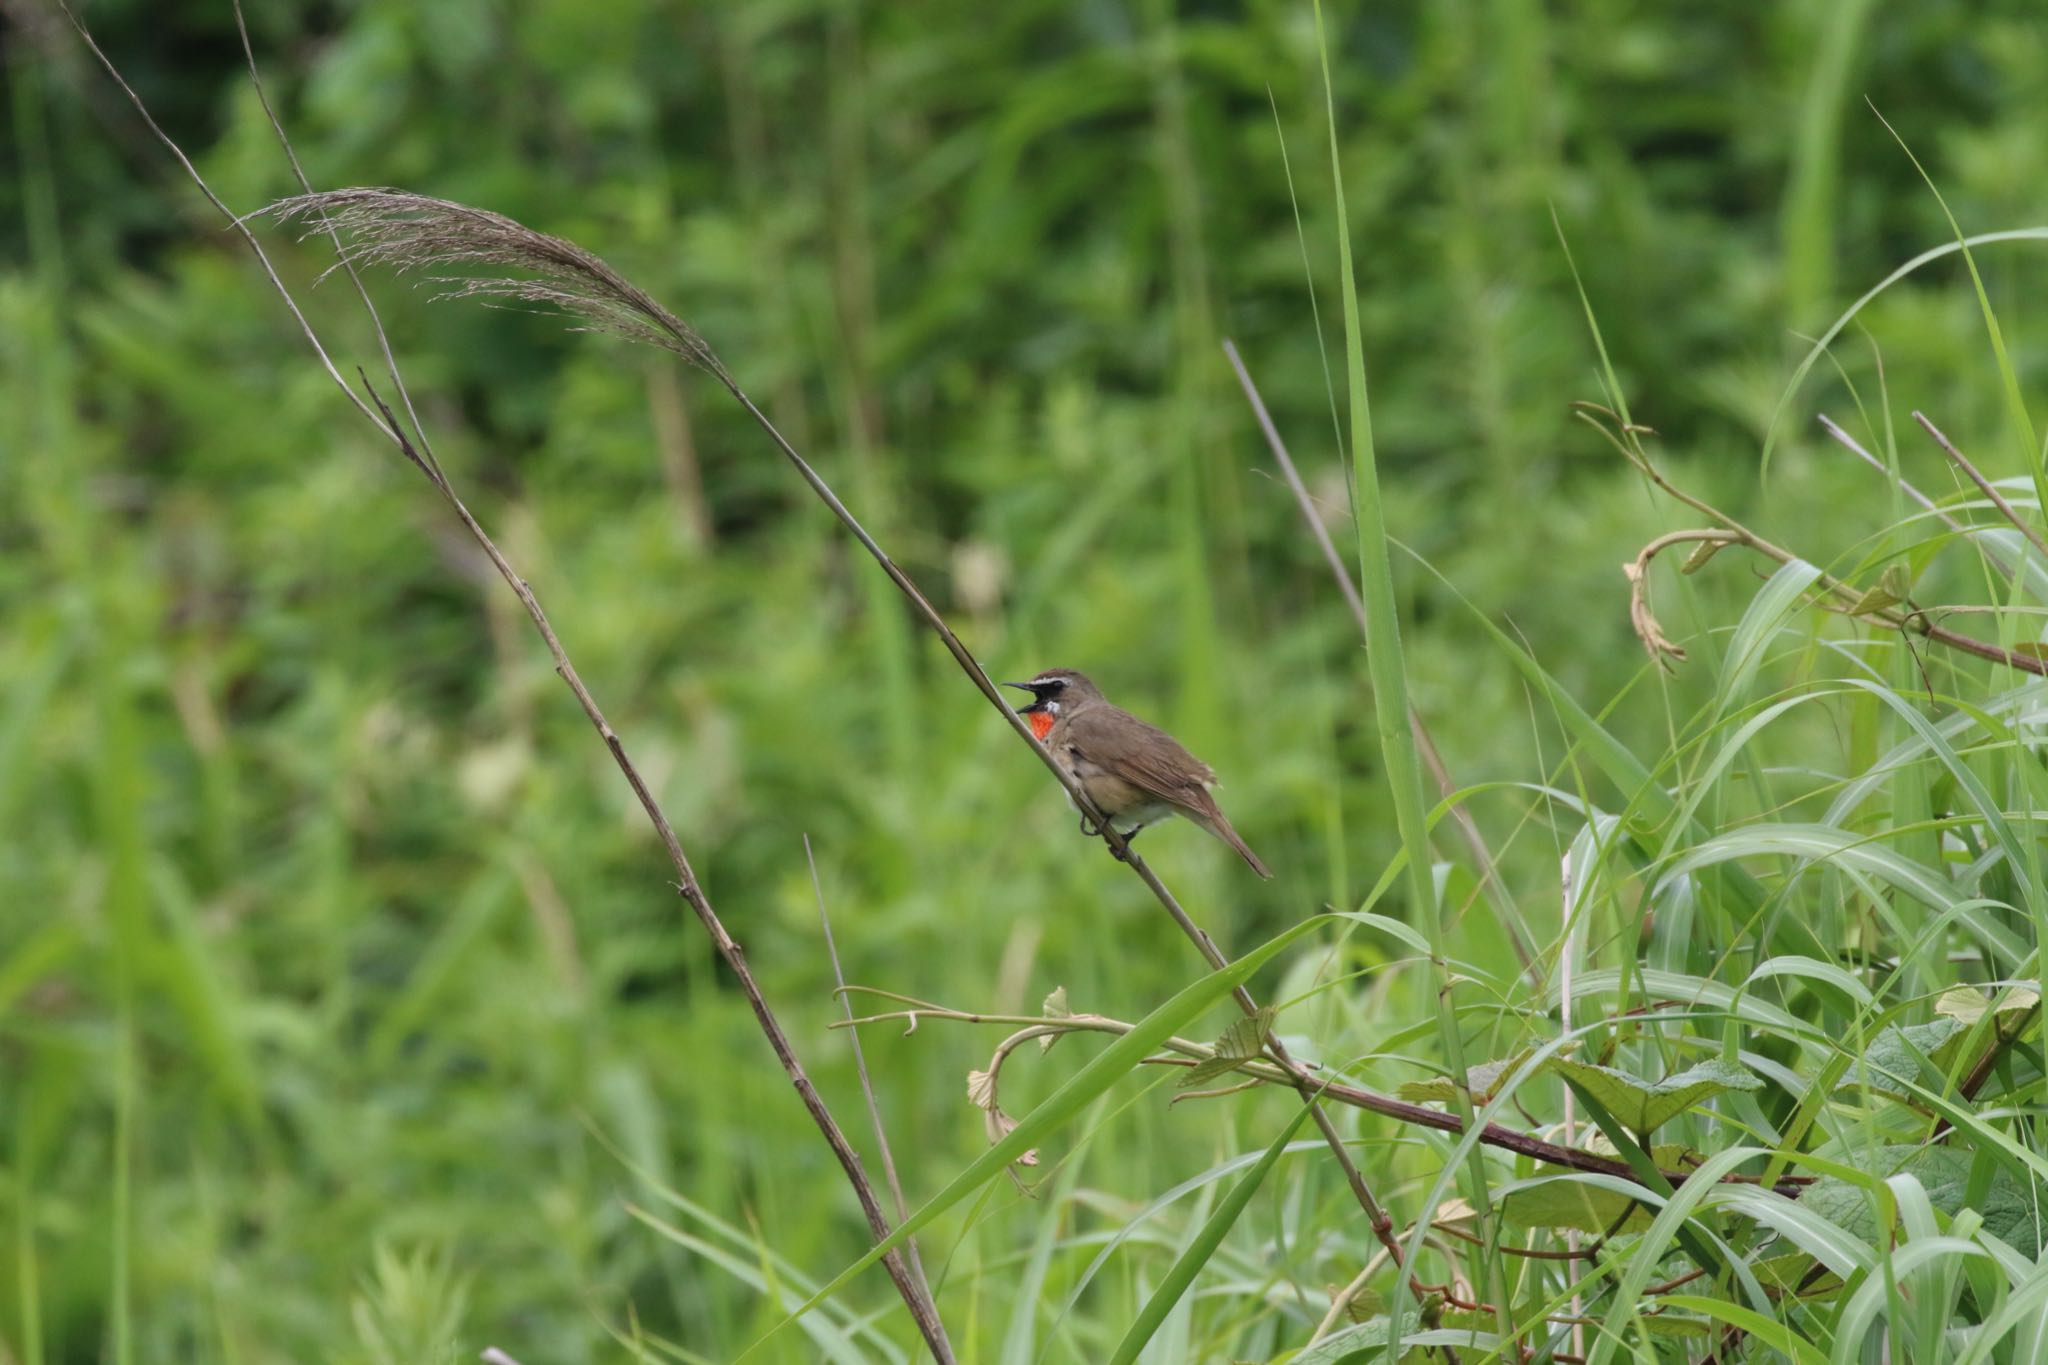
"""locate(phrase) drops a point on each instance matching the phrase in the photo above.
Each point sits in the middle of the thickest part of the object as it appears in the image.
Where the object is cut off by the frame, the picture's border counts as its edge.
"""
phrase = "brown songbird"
(1136, 774)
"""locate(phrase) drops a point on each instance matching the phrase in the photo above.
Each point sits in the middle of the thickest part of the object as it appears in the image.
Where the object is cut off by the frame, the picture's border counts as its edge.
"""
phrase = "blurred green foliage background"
(331, 944)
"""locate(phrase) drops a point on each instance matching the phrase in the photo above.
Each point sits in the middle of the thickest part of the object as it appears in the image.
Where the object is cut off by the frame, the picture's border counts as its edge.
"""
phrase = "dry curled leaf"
(1660, 646)
(1055, 1007)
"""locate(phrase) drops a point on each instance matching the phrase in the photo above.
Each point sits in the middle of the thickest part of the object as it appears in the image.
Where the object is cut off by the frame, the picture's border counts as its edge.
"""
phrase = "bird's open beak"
(1036, 700)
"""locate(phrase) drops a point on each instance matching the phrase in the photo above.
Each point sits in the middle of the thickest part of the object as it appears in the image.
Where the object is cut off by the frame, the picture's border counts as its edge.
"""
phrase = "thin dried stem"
(1984, 485)
(1483, 863)
(291, 155)
(1185, 1052)
(867, 1089)
(1849, 443)
(687, 885)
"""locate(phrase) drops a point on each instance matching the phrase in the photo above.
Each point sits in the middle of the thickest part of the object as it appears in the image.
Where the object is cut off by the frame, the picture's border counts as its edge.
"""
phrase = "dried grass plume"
(416, 232)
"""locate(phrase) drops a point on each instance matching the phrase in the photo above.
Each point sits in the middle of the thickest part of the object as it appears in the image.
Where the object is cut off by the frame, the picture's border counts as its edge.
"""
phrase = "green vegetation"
(347, 1011)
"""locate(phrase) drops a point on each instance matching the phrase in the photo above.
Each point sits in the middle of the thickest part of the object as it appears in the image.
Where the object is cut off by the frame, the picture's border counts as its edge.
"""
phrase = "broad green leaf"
(1055, 1007)
(2012, 1211)
(1206, 1070)
(1656, 1185)
(1892, 589)
(1105, 1069)
(1246, 1038)
(1589, 1202)
(1893, 1057)
(1363, 1306)
(1197, 1252)
(1644, 1106)
(1242, 1042)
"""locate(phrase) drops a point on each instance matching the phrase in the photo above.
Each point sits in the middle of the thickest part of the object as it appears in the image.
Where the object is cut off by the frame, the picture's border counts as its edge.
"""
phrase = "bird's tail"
(1213, 820)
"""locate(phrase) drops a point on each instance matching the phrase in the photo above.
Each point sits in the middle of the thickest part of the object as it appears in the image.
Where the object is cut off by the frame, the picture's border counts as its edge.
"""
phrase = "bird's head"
(1053, 692)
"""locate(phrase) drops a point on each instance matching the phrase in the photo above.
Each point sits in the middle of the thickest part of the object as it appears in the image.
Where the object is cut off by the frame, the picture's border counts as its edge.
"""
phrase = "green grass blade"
(2015, 400)
(1864, 1305)
(1769, 1331)
(830, 1337)
(1197, 1252)
(1376, 578)
(1827, 338)
(1674, 1222)
(1759, 625)
(1390, 678)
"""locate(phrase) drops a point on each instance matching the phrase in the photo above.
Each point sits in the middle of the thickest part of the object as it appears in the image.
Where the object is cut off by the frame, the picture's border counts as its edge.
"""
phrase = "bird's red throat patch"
(1041, 724)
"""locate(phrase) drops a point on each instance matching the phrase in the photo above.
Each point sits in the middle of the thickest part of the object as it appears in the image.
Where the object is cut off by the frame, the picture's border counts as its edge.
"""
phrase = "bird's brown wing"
(1143, 755)
(1153, 761)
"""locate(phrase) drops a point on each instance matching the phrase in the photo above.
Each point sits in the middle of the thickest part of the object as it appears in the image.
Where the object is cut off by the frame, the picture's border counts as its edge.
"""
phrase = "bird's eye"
(1058, 682)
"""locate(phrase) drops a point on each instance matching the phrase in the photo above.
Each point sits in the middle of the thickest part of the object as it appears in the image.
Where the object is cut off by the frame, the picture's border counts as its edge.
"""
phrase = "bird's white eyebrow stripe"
(1044, 680)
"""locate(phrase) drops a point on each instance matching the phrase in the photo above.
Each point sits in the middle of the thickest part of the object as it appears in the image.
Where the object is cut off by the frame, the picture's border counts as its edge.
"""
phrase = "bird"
(1135, 773)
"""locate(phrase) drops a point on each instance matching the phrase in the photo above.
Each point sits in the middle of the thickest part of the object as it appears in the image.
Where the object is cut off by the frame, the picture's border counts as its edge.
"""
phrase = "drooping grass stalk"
(579, 280)
(1390, 708)
(410, 230)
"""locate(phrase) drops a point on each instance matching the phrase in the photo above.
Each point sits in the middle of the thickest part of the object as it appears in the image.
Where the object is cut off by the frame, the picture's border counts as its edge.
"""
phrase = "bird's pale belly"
(1130, 807)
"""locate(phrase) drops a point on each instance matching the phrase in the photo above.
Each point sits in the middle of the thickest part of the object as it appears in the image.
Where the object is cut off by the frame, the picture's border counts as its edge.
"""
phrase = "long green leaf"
(1864, 1305)
(1197, 1252)
(1827, 338)
(1674, 1222)
(1769, 1331)
(1390, 687)
(1760, 623)
(2015, 399)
